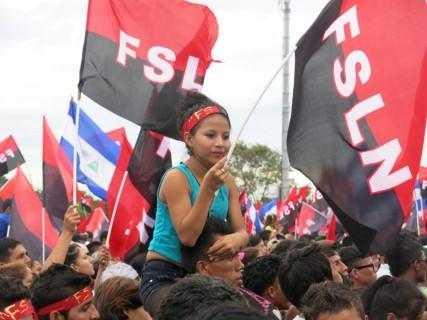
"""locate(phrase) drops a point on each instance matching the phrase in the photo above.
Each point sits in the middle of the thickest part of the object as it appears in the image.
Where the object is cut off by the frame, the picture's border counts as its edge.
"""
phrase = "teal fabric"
(165, 240)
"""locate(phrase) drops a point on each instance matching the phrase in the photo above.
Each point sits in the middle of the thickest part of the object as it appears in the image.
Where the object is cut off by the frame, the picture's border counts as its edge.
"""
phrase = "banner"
(141, 56)
(359, 112)
(10, 156)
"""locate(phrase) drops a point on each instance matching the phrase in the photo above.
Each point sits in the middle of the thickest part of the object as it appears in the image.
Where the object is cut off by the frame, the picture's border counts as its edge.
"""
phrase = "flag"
(26, 219)
(97, 152)
(255, 223)
(310, 221)
(141, 56)
(331, 235)
(302, 194)
(132, 226)
(10, 156)
(150, 159)
(360, 70)
(96, 222)
(6, 190)
(268, 208)
(57, 178)
(287, 211)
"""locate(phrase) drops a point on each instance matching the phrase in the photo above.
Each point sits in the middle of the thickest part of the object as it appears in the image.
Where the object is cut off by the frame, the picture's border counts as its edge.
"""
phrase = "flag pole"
(43, 237)
(417, 197)
(282, 64)
(75, 149)
(116, 204)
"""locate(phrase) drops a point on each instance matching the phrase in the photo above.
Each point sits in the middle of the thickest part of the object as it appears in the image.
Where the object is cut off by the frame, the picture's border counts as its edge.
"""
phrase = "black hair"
(229, 312)
(405, 250)
(254, 240)
(300, 269)
(395, 295)
(327, 247)
(11, 291)
(195, 293)
(103, 235)
(6, 204)
(251, 254)
(265, 235)
(212, 228)
(261, 274)
(72, 254)
(56, 283)
(6, 246)
(91, 246)
(330, 297)
(351, 256)
(192, 102)
(283, 247)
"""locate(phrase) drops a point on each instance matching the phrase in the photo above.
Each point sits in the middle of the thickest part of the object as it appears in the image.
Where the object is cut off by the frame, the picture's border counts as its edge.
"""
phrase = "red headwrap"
(18, 310)
(198, 116)
(76, 299)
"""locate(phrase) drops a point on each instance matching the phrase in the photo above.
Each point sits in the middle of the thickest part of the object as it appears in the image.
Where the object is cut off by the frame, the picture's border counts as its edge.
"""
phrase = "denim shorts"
(156, 274)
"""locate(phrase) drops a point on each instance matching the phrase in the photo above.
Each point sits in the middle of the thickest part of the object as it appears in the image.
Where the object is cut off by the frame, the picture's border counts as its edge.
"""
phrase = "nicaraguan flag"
(268, 208)
(97, 153)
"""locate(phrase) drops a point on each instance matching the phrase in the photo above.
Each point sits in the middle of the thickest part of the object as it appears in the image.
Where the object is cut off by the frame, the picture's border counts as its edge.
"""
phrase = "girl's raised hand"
(217, 175)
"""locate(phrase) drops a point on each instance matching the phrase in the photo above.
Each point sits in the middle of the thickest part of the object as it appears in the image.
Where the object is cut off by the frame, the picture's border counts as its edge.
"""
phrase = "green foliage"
(255, 167)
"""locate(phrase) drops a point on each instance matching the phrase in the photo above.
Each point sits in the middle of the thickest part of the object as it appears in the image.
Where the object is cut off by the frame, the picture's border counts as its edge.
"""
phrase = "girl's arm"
(188, 220)
(232, 243)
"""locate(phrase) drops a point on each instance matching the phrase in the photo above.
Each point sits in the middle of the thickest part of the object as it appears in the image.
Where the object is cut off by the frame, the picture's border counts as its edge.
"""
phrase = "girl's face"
(84, 263)
(211, 140)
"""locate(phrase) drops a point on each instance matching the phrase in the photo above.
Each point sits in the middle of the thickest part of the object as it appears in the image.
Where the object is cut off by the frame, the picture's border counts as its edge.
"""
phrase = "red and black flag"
(310, 221)
(359, 112)
(10, 156)
(26, 219)
(150, 159)
(141, 56)
(57, 178)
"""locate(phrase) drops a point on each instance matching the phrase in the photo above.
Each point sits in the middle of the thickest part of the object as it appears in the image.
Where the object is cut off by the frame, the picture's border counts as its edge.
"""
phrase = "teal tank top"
(165, 240)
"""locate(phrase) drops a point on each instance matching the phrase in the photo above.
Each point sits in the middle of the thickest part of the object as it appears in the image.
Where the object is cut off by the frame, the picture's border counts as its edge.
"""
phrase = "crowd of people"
(201, 263)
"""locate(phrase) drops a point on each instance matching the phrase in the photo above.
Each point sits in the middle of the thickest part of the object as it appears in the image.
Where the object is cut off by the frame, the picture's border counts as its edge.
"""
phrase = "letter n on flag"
(141, 56)
(26, 219)
(10, 156)
(359, 112)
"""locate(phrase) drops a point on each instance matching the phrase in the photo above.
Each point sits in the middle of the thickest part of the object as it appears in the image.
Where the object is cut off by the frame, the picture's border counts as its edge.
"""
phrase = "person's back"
(5, 217)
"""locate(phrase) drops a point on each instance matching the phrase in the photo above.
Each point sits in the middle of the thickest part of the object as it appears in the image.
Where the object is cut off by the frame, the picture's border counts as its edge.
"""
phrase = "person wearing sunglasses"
(362, 270)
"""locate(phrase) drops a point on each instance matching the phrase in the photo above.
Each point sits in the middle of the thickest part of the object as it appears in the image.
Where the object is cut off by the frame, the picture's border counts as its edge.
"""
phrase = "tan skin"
(209, 144)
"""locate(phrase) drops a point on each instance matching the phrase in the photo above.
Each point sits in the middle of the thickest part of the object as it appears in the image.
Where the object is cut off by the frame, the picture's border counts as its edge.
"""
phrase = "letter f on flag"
(97, 153)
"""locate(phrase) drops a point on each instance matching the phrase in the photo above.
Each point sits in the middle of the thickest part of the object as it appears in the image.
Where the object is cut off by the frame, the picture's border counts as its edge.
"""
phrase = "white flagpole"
(282, 64)
(116, 204)
(76, 137)
(43, 237)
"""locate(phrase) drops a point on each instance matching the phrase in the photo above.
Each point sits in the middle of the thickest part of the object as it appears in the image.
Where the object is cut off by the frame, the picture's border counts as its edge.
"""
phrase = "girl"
(188, 193)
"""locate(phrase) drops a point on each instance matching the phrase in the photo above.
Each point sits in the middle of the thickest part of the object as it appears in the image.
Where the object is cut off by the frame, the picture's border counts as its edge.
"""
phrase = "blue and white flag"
(97, 153)
(268, 208)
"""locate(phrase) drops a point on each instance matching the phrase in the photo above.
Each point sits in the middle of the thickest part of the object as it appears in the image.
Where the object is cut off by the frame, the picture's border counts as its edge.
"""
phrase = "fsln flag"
(141, 56)
(26, 219)
(359, 112)
(310, 221)
(10, 156)
(57, 178)
(132, 226)
(97, 152)
(150, 159)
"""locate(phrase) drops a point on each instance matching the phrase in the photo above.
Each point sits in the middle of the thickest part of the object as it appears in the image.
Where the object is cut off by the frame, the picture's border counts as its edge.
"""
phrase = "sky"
(41, 45)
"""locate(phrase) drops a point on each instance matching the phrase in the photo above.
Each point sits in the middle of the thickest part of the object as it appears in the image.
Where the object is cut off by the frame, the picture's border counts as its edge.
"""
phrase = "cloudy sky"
(41, 45)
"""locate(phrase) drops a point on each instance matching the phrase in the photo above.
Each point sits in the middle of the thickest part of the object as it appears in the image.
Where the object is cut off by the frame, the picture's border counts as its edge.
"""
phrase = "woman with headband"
(188, 193)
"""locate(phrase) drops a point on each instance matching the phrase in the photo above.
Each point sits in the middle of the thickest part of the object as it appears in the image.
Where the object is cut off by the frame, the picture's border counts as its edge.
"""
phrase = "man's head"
(12, 250)
(339, 269)
(406, 258)
(361, 268)
(62, 293)
(15, 300)
(300, 269)
(195, 259)
(261, 277)
(331, 301)
(195, 293)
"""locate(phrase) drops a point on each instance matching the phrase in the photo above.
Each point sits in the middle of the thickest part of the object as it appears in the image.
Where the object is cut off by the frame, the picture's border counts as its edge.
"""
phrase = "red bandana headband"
(76, 299)
(198, 116)
(18, 310)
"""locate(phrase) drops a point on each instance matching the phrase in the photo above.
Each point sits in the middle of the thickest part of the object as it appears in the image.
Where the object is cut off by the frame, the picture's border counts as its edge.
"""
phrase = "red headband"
(198, 116)
(18, 310)
(76, 299)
